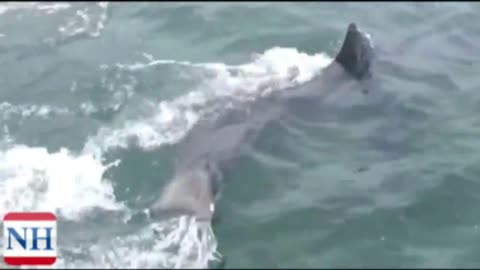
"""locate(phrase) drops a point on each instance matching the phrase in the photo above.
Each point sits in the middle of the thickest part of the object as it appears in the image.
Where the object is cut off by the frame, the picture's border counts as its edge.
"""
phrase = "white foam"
(45, 7)
(87, 108)
(32, 179)
(274, 70)
(6, 138)
(51, 8)
(89, 20)
(175, 243)
(8, 110)
(79, 18)
(23, 111)
(10, 6)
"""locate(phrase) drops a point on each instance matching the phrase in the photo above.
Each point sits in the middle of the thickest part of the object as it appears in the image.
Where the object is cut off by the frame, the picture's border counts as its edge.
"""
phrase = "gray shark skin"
(214, 144)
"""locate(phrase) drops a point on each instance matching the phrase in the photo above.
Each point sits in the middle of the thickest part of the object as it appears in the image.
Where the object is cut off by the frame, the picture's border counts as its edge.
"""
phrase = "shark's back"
(215, 143)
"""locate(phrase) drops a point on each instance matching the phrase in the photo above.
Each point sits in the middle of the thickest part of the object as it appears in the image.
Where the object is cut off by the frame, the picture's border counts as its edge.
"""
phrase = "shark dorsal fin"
(356, 53)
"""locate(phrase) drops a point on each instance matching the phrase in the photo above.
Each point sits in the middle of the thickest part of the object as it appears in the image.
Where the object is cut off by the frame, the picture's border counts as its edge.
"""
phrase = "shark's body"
(213, 144)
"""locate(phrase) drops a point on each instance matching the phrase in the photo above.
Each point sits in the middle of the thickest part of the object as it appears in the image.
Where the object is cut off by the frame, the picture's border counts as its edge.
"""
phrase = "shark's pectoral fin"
(356, 53)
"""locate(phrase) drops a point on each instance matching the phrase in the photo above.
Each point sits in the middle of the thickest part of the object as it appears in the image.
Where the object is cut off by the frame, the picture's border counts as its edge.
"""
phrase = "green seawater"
(387, 184)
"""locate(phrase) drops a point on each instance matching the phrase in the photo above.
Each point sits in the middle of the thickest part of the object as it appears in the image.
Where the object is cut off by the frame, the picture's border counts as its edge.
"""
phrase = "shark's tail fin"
(189, 192)
(356, 53)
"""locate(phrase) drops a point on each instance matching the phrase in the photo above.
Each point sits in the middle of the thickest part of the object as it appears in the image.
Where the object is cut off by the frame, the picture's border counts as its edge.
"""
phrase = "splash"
(33, 179)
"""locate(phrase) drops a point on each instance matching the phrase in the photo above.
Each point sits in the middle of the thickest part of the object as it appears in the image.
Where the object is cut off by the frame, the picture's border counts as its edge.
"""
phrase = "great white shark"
(213, 144)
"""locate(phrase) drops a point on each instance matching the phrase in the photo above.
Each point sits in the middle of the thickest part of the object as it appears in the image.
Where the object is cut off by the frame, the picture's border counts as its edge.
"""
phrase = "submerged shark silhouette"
(213, 144)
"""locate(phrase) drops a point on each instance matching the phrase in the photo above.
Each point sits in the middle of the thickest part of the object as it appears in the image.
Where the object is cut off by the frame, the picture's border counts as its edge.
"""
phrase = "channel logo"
(29, 238)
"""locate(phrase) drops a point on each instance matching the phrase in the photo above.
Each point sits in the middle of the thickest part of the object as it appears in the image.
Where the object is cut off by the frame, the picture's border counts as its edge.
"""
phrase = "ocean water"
(94, 97)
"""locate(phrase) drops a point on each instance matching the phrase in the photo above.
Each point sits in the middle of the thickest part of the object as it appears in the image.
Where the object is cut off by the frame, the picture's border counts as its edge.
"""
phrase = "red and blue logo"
(29, 238)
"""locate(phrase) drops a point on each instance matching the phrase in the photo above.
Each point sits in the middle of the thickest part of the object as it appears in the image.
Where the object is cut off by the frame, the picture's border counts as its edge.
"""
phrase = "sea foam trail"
(72, 184)
(276, 69)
